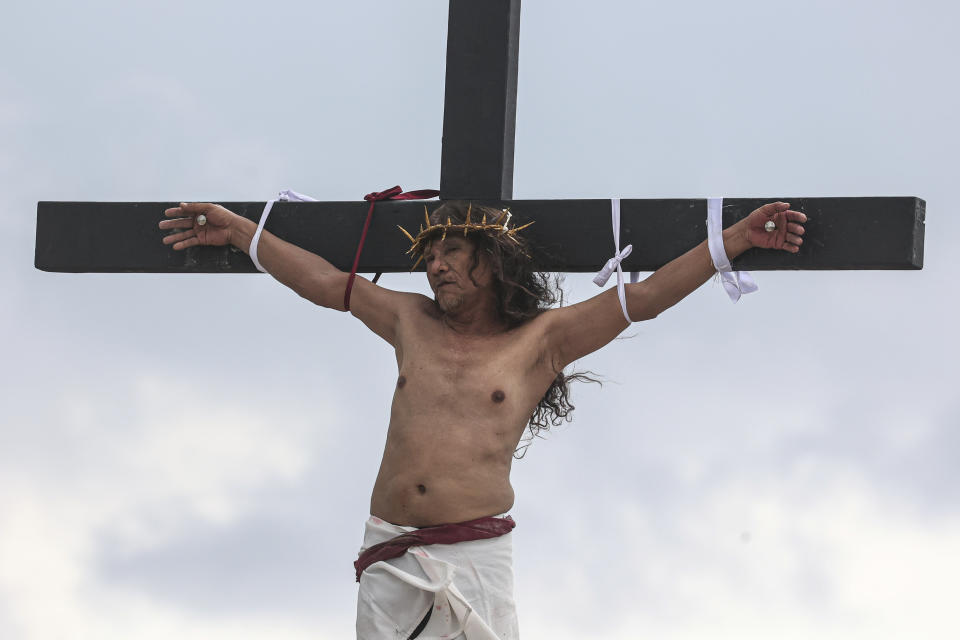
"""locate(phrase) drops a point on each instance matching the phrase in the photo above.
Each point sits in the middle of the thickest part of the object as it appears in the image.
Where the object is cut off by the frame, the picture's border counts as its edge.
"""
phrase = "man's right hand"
(215, 231)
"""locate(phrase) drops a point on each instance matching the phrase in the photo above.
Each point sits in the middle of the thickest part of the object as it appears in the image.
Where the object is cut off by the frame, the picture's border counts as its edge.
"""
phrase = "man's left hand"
(786, 233)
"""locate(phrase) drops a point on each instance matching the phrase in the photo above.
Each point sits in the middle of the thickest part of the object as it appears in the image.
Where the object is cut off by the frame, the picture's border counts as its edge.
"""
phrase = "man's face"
(448, 265)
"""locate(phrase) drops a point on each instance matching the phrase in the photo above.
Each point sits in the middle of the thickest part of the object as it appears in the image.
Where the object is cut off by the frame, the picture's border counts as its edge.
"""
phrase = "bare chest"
(495, 373)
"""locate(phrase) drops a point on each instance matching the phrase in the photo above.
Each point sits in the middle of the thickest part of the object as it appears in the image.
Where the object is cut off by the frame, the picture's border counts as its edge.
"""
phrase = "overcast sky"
(191, 456)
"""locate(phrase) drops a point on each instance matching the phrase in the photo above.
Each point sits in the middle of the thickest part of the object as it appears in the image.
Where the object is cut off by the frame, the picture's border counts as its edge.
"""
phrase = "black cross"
(477, 164)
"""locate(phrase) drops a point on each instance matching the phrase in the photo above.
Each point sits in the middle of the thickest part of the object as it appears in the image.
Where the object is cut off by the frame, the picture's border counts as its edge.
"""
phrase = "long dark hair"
(522, 294)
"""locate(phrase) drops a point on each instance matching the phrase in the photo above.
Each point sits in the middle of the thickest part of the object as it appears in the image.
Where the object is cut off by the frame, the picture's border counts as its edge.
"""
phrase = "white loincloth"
(468, 584)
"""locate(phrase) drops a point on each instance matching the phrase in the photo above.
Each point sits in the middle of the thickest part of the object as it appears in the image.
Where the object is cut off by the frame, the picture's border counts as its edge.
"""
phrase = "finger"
(796, 216)
(179, 223)
(177, 237)
(195, 208)
(796, 229)
(192, 241)
(772, 208)
(188, 209)
(793, 238)
(792, 248)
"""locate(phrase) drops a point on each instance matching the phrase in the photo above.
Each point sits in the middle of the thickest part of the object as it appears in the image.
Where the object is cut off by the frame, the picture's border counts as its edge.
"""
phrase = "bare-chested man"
(476, 365)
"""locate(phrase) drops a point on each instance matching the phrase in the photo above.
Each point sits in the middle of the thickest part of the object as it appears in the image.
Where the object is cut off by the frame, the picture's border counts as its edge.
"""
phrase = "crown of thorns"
(501, 225)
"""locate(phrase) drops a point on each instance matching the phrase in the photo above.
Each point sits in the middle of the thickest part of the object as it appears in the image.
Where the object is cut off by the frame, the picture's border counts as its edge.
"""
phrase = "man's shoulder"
(534, 328)
(542, 320)
(412, 305)
(385, 310)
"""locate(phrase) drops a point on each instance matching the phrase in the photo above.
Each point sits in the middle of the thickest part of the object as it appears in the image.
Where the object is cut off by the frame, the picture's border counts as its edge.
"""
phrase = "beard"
(449, 302)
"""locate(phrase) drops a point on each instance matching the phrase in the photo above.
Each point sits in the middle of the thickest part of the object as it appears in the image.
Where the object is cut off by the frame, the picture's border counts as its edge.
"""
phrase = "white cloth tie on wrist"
(287, 195)
(613, 264)
(736, 283)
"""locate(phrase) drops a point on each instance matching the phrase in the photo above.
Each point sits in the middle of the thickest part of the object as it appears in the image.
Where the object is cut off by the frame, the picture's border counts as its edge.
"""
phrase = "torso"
(459, 410)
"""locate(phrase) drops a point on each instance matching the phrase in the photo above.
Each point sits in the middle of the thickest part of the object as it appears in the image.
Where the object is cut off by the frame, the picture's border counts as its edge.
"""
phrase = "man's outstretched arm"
(679, 278)
(585, 327)
(308, 274)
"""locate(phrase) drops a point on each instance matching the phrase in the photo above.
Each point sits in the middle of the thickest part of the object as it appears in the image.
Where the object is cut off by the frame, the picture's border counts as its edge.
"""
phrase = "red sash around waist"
(479, 529)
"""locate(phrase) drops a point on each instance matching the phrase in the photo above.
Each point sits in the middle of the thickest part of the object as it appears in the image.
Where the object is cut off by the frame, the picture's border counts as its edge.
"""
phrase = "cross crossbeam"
(477, 164)
(569, 235)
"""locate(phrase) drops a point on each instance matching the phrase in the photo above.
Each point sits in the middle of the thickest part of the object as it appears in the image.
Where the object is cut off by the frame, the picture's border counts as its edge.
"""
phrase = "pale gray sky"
(192, 456)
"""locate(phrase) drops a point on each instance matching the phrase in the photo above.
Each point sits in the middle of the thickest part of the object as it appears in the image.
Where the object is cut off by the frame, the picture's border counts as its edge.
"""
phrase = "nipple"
(498, 396)
(402, 380)
(422, 489)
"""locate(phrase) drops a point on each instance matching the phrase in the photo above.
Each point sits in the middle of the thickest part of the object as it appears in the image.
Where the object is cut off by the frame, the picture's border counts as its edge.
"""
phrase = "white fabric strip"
(285, 195)
(613, 264)
(736, 283)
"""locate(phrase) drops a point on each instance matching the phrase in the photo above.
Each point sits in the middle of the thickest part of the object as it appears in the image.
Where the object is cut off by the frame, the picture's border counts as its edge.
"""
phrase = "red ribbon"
(395, 193)
(479, 529)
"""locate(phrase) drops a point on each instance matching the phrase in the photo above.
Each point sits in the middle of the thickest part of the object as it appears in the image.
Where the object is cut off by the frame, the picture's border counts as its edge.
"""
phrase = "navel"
(422, 489)
(498, 396)
(402, 380)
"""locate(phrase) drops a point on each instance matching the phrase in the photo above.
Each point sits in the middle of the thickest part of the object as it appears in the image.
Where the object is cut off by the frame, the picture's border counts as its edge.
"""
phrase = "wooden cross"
(477, 164)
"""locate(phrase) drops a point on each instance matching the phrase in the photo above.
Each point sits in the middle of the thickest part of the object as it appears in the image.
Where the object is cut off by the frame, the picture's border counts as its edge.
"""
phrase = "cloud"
(135, 468)
(809, 552)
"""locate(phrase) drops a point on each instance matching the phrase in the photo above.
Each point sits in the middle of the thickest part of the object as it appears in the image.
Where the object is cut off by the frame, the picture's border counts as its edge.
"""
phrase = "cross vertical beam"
(480, 101)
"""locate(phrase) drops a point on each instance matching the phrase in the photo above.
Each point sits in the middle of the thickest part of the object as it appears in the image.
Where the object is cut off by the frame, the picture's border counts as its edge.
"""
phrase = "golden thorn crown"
(500, 225)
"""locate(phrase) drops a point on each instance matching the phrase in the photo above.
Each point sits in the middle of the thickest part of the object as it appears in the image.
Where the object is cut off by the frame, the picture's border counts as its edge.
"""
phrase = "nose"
(437, 266)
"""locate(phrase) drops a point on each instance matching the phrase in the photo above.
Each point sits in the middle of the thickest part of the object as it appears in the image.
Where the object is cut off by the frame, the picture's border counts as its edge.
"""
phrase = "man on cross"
(477, 365)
